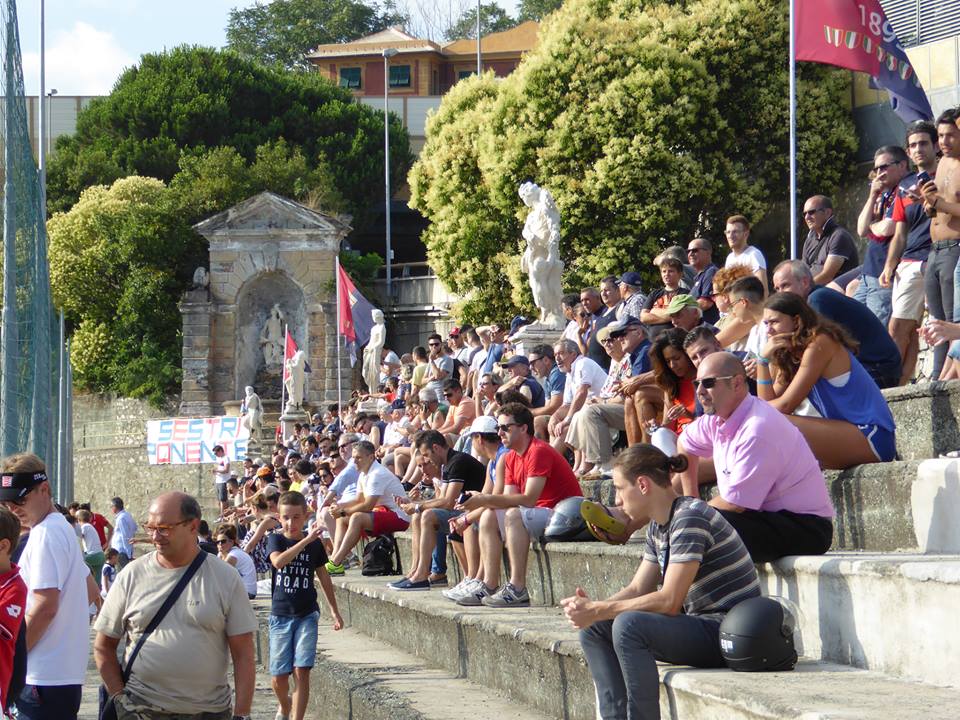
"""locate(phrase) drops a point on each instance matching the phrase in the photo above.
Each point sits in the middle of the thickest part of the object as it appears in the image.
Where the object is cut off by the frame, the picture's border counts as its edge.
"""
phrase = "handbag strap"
(164, 609)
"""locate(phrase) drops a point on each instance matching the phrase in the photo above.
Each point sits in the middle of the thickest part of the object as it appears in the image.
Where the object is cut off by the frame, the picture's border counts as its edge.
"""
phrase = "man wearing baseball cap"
(685, 312)
(633, 298)
(521, 381)
(58, 642)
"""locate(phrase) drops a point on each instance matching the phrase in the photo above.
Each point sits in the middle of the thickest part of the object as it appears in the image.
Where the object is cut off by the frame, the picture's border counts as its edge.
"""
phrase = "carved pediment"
(268, 214)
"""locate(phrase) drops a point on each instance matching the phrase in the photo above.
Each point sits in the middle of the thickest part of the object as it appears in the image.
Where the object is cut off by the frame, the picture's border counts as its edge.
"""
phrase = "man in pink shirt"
(771, 488)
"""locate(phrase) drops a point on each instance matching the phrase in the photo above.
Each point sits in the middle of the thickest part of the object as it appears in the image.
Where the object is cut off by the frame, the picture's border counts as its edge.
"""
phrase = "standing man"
(908, 250)
(182, 668)
(877, 226)
(942, 200)
(125, 527)
(603, 316)
(829, 249)
(57, 595)
(741, 252)
(699, 254)
(440, 368)
(221, 473)
(630, 284)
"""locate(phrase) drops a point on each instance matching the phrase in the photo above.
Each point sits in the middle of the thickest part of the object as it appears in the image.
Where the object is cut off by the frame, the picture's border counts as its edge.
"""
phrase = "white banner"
(184, 441)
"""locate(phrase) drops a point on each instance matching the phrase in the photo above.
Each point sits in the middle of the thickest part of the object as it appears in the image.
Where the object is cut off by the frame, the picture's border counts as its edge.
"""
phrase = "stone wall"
(110, 456)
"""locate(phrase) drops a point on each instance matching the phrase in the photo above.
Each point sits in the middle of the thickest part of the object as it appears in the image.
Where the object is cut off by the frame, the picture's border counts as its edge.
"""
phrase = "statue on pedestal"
(295, 380)
(372, 352)
(271, 337)
(251, 412)
(541, 258)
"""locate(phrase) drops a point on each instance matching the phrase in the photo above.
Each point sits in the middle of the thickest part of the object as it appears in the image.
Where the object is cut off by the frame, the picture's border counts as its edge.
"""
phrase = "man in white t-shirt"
(58, 596)
(585, 378)
(742, 253)
(374, 511)
(221, 473)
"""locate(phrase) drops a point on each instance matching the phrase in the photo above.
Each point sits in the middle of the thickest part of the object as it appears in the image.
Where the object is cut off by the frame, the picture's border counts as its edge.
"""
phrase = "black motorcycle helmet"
(757, 636)
(567, 524)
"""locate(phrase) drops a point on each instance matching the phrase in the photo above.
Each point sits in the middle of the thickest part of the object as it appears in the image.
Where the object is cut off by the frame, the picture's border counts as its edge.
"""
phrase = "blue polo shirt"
(556, 381)
(640, 358)
(703, 288)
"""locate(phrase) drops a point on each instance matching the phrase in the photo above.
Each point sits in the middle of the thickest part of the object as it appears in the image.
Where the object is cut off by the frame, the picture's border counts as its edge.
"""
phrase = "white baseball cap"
(484, 425)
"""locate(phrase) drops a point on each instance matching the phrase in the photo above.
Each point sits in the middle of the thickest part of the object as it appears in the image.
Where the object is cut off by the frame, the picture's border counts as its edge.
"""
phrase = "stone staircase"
(879, 626)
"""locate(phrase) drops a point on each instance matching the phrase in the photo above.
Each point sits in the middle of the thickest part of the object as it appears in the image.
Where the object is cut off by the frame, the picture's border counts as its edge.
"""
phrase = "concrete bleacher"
(879, 627)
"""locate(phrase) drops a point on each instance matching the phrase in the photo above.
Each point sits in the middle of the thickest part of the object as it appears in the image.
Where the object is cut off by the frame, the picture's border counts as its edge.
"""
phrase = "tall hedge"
(648, 121)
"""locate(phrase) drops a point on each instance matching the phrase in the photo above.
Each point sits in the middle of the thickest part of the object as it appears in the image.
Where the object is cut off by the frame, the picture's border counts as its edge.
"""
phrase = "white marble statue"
(541, 258)
(372, 352)
(251, 411)
(295, 381)
(271, 338)
(201, 278)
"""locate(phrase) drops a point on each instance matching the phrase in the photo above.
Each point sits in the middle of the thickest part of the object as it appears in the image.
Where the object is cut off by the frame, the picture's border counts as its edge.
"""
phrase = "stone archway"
(255, 301)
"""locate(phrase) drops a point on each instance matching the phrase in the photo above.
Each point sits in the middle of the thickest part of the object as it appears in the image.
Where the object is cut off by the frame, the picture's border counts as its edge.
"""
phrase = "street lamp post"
(387, 54)
(479, 71)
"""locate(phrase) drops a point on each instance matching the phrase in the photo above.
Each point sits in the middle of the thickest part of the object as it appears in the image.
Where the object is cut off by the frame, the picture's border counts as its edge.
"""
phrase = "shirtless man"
(942, 194)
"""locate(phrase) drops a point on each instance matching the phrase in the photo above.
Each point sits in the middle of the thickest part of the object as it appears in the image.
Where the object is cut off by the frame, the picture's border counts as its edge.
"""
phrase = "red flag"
(289, 350)
(345, 320)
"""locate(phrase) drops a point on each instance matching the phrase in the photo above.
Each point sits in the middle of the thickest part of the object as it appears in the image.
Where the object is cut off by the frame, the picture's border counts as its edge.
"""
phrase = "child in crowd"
(294, 612)
(92, 550)
(109, 572)
(13, 603)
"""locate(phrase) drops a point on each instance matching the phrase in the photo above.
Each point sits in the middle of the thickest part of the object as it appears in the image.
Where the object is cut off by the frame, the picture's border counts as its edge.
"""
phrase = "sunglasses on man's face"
(710, 382)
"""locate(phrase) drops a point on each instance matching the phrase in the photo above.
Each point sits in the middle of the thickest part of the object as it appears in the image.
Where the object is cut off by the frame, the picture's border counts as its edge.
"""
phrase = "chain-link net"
(26, 346)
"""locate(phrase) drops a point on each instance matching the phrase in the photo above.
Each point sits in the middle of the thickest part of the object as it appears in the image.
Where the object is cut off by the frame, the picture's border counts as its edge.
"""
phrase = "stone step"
(878, 506)
(533, 655)
(926, 416)
(873, 611)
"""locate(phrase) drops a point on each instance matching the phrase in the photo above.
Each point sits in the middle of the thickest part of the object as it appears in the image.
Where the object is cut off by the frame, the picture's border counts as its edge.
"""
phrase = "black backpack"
(381, 556)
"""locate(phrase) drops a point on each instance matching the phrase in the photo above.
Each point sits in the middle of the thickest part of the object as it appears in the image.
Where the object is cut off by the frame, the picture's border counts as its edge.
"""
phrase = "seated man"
(536, 478)
(694, 569)
(685, 312)
(520, 380)
(544, 366)
(374, 511)
(461, 412)
(342, 490)
(770, 485)
(590, 431)
(584, 380)
(878, 352)
(430, 519)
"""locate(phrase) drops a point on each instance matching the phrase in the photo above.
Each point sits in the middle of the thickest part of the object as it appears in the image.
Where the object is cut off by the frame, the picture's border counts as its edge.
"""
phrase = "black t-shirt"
(294, 594)
(464, 468)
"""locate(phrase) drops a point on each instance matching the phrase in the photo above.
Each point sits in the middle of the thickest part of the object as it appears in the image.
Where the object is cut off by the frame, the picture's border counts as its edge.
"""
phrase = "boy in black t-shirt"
(294, 612)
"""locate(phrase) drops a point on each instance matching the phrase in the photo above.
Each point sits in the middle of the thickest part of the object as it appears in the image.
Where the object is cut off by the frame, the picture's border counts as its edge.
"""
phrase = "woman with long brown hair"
(808, 357)
(674, 374)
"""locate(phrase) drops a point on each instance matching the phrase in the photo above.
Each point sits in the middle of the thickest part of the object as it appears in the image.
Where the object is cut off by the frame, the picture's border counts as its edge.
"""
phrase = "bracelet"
(764, 382)
(762, 360)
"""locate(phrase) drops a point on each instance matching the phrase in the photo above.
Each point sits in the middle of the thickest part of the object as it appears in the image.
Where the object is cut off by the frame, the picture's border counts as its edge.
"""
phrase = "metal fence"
(108, 434)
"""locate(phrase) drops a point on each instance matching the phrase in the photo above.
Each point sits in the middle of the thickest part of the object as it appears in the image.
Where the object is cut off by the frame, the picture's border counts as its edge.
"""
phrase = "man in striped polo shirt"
(702, 570)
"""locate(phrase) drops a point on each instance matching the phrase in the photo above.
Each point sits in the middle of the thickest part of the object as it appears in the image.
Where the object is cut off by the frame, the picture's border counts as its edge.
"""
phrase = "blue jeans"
(878, 299)
(438, 561)
(49, 702)
(622, 655)
(293, 642)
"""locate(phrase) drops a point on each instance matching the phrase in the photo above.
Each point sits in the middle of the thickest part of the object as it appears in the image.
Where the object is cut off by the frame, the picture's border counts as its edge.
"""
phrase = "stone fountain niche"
(264, 252)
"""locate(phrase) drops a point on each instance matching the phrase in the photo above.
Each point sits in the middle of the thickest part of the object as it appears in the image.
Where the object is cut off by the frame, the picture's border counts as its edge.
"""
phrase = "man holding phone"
(910, 247)
(430, 519)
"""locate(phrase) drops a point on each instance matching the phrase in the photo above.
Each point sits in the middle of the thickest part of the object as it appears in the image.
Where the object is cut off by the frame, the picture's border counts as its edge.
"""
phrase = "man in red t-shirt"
(540, 478)
(13, 602)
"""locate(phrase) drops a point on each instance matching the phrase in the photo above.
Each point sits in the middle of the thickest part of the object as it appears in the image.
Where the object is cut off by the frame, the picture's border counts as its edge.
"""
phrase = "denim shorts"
(293, 642)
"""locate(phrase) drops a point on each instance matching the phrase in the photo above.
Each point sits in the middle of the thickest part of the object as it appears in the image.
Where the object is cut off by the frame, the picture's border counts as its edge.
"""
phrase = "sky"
(90, 42)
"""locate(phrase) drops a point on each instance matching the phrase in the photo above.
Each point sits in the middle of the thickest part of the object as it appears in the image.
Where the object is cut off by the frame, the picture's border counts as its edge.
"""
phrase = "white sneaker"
(454, 592)
(475, 594)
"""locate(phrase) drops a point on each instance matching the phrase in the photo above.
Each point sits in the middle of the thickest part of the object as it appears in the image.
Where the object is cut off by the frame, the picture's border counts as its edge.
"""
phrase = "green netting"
(26, 350)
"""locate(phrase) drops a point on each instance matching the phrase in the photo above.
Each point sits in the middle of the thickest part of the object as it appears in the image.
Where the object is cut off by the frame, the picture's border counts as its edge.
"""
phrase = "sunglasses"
(506, 427)
(812, 212)
(223, 541)
(881, 168)
(711, 382)
(690, 251)
(448, 394)
(434, 344)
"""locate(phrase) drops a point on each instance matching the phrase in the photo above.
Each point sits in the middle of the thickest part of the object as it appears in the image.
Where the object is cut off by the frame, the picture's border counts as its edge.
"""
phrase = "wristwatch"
(241, 717)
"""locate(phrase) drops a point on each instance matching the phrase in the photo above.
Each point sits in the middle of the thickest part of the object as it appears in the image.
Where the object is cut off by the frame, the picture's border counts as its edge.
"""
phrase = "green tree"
(493, 18)
(118, 262)
(283, 31)
(536, 9)
(646, 120)
(190, 99)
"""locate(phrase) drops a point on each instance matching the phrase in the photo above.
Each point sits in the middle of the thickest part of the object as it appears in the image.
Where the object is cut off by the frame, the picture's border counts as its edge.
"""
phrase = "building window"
(350, 78)
(399, 76)
(465, 74)
(918, 22)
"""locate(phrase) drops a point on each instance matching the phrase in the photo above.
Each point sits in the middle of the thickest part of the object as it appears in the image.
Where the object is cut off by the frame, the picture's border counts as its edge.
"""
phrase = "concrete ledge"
(533, 655)
(935, 506)
(926, 416)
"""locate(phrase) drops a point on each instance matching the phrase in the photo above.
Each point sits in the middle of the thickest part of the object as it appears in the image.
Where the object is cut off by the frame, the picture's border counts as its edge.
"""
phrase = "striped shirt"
(698, 533)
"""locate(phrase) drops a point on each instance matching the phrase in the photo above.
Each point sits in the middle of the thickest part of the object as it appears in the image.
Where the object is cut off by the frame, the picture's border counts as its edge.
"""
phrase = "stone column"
(195, 387)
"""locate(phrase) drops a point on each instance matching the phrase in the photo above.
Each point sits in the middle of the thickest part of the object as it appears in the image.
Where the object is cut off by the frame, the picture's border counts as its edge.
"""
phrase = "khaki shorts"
(908, 293)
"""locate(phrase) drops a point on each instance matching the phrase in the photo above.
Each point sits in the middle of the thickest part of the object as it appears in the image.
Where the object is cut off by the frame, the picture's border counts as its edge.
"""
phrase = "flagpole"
(336, 261)
(283, 372)
(793, 131)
